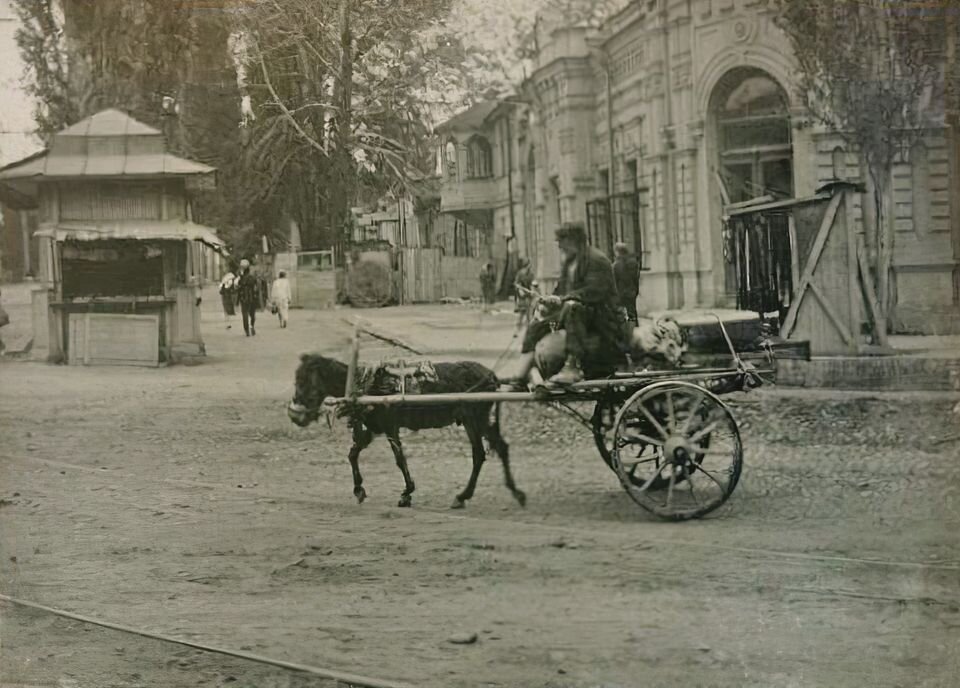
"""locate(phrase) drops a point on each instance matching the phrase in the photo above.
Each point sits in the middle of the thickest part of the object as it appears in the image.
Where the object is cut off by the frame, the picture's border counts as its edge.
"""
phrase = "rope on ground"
(349, 679)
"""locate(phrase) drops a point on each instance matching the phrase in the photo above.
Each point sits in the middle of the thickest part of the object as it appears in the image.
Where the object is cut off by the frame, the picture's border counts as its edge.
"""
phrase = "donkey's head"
(317, 378)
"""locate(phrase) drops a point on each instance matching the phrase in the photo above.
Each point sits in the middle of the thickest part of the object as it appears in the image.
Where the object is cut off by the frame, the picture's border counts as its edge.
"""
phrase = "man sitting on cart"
(587, 293)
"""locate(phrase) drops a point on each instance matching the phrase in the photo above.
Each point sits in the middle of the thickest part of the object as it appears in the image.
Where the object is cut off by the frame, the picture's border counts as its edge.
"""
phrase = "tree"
(341, 96)
(86, 56)
(872, 71)
(164, 62)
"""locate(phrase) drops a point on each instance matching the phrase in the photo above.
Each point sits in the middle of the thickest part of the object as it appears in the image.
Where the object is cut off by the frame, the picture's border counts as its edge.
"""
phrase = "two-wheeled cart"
(667, 434)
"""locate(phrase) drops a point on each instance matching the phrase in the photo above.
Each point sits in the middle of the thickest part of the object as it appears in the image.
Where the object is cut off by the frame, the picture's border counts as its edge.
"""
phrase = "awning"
(143, 230)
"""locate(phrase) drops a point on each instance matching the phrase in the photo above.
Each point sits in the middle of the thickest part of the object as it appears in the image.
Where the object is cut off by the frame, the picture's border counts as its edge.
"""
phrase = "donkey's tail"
(493, 435)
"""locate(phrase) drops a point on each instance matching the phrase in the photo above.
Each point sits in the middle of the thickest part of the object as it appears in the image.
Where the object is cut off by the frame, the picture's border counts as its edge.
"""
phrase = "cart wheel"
(676, 449)
(604, 420)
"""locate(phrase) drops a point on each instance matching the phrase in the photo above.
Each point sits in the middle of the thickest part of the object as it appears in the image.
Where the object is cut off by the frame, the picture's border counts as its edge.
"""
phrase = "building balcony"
(462, 196)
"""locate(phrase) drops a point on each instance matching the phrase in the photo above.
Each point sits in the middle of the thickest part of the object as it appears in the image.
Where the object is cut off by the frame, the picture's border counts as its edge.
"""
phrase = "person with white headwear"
(228, 295)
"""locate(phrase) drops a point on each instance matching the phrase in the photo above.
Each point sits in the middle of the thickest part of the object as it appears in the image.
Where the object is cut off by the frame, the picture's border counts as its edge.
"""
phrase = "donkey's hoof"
(360, 494)
(458, 504)
(405, 501)
(521, 497)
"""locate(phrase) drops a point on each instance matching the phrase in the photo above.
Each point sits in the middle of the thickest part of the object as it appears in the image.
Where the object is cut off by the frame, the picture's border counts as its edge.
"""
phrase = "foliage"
(872, 71)
(87, 56)
(42, 43)
(164, 62)
(341, 93)
(877, 89)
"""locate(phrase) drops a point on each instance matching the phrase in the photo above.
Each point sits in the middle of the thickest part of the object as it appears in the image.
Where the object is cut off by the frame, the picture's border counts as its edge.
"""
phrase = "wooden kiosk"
(121, 261)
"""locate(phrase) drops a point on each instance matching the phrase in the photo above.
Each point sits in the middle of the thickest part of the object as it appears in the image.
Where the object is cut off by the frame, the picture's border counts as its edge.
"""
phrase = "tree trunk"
(344, 122)
(884, 241)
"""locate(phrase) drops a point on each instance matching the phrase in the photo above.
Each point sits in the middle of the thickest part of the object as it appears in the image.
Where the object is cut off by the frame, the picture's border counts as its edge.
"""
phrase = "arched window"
(752, 119)
(479, 158)
(451, 150)
(839, 159)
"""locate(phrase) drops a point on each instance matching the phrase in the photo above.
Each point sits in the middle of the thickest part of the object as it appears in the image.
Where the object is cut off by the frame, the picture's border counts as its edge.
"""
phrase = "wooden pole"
(351, 391)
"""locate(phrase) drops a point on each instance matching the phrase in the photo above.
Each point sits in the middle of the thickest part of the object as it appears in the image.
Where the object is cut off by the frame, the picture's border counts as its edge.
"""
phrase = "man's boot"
(569, 374)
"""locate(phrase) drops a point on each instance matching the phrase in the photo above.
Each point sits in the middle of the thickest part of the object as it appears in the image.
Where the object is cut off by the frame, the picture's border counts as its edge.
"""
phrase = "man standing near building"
(280, 295)
(249, 297)
(626, 270)
(488, 285)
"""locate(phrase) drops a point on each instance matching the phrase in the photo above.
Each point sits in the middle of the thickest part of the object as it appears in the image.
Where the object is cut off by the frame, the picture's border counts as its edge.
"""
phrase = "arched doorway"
(751, 132)
(752, 125)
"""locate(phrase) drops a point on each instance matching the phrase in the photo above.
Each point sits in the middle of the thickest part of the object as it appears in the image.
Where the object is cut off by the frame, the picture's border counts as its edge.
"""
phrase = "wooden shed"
(121, 260)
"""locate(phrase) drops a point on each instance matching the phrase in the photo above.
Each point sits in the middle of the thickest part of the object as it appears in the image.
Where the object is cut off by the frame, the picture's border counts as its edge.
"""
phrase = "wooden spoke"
(653, 478)
(710, 475)
(705, 431)
(689, 478)
(673, 478)
(701, 451)
(653, 421)
(692, 412)
(633, 464)
(637, 439)
(671, 412)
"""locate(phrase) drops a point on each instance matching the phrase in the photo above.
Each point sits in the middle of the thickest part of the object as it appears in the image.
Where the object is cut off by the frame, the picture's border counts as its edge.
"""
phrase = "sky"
(16, 107)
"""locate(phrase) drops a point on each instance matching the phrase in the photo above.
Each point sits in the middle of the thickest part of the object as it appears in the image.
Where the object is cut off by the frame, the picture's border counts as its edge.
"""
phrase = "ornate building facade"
(645, 129)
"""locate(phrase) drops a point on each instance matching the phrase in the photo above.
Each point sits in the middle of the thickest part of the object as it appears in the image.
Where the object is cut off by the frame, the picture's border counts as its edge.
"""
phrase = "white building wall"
(16, 114)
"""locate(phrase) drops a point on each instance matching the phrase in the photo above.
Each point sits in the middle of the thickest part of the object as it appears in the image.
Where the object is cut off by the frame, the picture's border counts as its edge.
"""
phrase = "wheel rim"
(676, 449)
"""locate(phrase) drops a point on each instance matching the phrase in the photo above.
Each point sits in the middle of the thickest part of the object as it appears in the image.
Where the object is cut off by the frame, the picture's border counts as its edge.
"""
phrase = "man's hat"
(244, 263)
(572, 230)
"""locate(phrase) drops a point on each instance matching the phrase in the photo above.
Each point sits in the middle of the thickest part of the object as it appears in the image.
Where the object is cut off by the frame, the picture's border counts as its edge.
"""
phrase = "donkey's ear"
(304, 358)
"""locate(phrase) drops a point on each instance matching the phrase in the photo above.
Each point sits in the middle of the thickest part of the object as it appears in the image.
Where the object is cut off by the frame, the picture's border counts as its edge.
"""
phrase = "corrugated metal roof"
(110, 166)
(109, 123)
(108, 144)
(143, 230)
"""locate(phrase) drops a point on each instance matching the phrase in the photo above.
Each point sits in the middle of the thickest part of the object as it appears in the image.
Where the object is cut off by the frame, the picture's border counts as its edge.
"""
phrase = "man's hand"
(551, 300)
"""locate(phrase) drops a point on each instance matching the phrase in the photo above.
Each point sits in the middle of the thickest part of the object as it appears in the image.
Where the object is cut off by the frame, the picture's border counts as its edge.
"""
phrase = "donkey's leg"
(500, 446)
(408, 487)
(472, 427)
(362, 438)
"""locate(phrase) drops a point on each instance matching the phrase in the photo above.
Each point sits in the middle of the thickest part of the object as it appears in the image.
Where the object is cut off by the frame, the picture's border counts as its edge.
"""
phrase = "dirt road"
(182, 501)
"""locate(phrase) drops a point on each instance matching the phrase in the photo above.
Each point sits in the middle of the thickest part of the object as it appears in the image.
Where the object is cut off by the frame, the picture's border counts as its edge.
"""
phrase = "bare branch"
(287, 113)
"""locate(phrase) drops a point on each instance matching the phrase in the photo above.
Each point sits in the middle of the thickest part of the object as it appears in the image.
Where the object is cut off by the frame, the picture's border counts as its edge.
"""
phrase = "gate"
(803, 258)
(420, 279)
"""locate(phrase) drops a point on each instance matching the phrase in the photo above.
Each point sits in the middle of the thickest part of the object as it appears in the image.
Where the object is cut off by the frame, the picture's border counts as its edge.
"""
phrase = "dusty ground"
(182, 501)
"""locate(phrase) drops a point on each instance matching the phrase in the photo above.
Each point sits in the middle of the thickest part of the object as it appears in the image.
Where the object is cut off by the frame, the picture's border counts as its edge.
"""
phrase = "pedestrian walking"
(248, 294)
(228, 297)
(523, 290)
(626, 272)
(280, 295)
(488, 285)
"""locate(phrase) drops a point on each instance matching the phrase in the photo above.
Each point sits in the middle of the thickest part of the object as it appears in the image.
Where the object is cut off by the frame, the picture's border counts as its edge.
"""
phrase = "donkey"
(319, 377)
